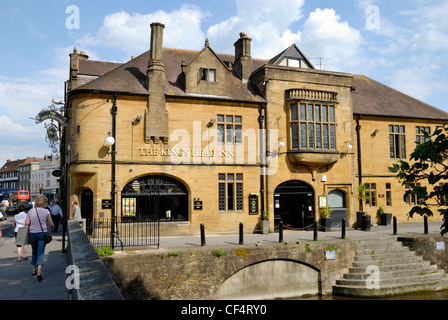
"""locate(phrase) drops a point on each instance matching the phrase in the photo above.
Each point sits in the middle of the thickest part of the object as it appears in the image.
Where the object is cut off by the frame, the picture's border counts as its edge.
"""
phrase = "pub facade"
(198, 137)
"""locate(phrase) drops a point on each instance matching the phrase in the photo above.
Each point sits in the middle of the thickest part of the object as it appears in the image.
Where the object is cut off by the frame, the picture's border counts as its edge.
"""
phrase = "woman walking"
(21, 235)
(37, 220)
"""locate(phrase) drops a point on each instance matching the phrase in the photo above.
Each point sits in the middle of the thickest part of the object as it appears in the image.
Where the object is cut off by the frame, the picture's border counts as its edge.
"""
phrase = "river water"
(440, 295)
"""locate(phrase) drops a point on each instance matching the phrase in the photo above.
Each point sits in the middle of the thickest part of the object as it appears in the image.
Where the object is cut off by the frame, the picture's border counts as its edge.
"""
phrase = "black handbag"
(47, 236)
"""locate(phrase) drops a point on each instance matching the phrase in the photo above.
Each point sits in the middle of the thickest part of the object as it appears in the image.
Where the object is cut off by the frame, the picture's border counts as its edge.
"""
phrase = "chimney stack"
(243, 59)
(156, 114)
(74, 67)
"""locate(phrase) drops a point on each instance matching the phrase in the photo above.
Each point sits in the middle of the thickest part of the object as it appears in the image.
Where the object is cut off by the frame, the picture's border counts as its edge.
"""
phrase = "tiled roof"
(370, 98)
(14, 165)
(376, 99)
(130, 77)
(96, 68)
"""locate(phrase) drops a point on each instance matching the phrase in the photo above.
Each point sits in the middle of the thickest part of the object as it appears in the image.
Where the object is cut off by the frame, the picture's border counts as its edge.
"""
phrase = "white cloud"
(130, 33)
(267, 22)
(325, 35)
(22, 99)
(21, 140)
(413, 49)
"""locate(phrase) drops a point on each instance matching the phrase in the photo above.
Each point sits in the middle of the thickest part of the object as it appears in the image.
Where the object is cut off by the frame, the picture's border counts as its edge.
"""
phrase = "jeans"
(38, 245)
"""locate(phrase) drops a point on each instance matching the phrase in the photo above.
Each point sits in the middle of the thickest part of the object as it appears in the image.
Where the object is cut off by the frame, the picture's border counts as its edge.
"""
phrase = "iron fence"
(128, 232)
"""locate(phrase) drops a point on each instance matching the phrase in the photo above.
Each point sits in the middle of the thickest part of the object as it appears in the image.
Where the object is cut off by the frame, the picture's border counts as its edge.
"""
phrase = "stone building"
(200, 137)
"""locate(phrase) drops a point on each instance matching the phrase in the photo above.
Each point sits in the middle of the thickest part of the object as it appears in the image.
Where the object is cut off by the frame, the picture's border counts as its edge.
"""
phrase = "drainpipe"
(358, 133)
(261, 155)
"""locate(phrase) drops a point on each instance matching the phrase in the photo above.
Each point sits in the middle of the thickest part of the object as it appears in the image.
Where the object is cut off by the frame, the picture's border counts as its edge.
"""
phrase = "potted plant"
(386, 218)
(325, 213)
(265, 222)
(363, 196)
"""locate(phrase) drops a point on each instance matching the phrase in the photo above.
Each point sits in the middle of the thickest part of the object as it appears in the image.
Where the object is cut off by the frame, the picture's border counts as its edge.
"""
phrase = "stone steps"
(384, 266)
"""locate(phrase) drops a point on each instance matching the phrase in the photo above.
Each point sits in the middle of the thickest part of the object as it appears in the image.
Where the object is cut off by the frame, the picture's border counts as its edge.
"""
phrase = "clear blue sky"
(403, 44)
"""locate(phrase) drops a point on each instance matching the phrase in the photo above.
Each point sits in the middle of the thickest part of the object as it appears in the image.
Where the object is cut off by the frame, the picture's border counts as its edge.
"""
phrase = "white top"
(19, 220)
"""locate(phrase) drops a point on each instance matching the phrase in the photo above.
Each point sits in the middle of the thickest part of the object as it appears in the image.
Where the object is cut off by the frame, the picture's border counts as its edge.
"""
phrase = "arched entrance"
(86, 204)
(156, 196)
(294, 204)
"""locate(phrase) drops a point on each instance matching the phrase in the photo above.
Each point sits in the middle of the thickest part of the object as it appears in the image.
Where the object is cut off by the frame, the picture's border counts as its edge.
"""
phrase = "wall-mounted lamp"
(137, 120)
(375, 133)
(211, 123)
(110, 141)
(348, 148)
(277, 152)
(281, 144)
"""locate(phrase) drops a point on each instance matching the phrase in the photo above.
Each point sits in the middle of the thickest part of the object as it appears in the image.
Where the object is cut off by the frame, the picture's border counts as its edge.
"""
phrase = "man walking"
(56, 215)
(76, 211)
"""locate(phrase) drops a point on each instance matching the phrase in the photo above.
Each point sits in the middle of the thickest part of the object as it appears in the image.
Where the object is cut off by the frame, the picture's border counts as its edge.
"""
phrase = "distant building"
(10, 176)
(43, 182)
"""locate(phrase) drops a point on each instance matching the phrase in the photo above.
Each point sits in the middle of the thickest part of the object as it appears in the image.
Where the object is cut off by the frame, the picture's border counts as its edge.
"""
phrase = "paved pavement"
(16, 282)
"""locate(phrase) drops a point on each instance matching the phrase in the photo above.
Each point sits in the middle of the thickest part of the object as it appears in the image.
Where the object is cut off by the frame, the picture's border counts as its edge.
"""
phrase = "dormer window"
(208, 75)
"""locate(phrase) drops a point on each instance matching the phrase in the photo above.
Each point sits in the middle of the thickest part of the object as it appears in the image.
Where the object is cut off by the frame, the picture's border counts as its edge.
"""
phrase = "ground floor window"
(388, 195)
(230, 192)
(412, 198)
(159, 197)
(371, 191)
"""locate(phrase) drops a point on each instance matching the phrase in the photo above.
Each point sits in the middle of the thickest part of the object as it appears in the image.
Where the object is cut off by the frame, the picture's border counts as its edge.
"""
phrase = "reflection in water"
(440, 295)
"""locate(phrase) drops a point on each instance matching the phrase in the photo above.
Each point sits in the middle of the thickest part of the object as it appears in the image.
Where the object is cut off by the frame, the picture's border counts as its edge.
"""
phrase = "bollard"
(280, 232)
(241, 233)
(395, 225)
(315, 230)
(202, 235)
(343, 229)
(425, 224)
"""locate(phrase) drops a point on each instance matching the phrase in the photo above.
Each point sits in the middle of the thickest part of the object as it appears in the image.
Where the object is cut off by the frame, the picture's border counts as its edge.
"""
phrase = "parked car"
(11, 210)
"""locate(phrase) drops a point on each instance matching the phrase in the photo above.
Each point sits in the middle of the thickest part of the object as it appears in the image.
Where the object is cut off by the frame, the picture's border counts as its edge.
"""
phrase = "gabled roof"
(370, 98)
(291, 52)
(207, 47)
(130, 77)
(376, 99)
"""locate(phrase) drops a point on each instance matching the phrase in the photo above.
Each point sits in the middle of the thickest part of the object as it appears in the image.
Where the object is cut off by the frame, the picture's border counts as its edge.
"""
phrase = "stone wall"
(202, 274)
(94, 279)
(426, 246)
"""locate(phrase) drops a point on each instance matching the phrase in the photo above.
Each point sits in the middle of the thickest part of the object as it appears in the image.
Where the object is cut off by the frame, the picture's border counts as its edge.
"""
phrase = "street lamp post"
(112, 141)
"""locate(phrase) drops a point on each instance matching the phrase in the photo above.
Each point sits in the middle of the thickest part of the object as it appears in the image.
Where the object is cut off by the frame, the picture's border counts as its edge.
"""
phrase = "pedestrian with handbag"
(37, 220)
(21, 233)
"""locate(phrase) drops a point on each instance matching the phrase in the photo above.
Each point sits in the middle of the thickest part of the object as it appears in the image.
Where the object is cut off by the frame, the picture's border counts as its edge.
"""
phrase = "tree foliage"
(428, 166)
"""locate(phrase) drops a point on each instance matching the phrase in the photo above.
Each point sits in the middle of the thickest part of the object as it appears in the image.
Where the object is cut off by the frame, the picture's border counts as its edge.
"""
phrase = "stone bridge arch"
(271, 279)
(243, 272)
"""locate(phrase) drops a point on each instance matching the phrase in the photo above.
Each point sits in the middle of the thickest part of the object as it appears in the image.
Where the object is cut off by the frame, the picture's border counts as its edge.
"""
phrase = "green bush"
(219, 253)
(104, 251)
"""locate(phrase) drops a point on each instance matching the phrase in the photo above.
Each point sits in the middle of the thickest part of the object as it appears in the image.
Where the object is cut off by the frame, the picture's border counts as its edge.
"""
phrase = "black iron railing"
(128, 232)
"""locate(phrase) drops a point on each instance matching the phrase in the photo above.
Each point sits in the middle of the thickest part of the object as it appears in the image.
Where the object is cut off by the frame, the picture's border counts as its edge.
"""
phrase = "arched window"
(156, 196)
(336, 199)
